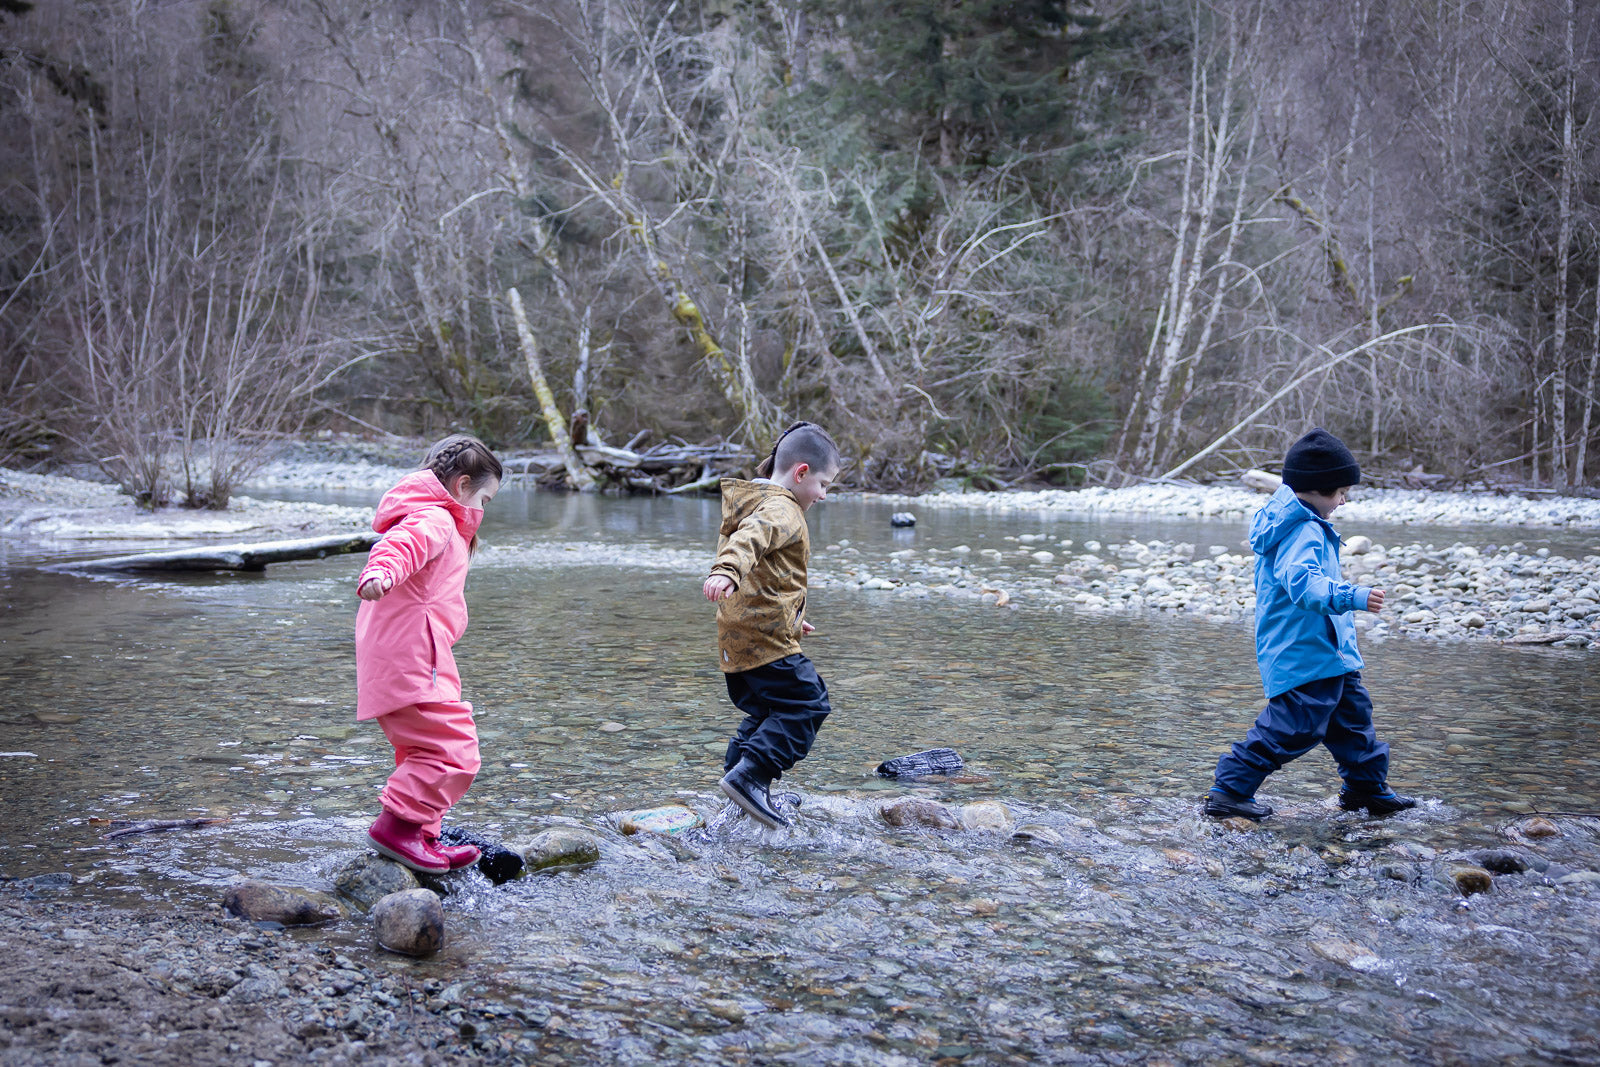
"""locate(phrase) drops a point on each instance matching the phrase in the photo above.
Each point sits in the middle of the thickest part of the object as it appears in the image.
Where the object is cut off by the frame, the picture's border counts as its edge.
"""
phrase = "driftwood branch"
(227, 557)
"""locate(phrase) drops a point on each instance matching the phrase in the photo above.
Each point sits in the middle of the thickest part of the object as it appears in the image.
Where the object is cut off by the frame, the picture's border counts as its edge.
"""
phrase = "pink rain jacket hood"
(403, 641)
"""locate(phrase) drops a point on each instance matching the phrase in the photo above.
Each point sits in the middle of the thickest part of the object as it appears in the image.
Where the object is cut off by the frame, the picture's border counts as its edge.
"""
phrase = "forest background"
(1050, 240)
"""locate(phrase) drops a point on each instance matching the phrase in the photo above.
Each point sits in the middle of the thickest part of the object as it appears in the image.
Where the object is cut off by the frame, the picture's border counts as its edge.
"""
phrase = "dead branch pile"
(662, 468)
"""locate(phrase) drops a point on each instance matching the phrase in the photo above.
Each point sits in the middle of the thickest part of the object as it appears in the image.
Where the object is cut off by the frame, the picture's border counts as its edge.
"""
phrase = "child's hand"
(806, 627)
(717, 587)
(374, 588)
(1375, 600)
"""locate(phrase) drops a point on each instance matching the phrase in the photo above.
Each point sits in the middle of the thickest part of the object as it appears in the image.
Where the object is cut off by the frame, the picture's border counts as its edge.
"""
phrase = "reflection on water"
(1146, 930)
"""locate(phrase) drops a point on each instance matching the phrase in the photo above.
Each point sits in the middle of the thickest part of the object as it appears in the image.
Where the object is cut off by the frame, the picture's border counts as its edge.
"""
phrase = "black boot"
(746, 785)
(1376, 799)
(1221, 805)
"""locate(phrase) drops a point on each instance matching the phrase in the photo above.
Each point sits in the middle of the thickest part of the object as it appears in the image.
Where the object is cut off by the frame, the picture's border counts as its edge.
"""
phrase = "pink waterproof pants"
(435, 760)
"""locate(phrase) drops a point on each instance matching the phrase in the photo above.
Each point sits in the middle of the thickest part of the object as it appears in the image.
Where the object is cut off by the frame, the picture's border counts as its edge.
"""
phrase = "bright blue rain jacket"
(1303, 627)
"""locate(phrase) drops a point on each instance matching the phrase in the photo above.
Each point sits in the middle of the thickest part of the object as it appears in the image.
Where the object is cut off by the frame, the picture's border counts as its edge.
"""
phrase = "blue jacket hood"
(1282, 515)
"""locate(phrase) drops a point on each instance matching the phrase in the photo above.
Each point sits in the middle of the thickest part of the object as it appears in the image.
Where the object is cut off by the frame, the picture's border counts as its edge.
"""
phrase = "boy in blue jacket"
(1306, 644)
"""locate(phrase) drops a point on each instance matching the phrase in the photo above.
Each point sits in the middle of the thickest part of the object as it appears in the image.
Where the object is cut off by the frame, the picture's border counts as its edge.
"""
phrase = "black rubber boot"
(1220, 805)
(746, 785)
(1379, 801)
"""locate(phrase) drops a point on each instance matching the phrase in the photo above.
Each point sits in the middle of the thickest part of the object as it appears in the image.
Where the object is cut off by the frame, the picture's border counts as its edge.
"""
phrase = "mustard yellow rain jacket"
(763, 547)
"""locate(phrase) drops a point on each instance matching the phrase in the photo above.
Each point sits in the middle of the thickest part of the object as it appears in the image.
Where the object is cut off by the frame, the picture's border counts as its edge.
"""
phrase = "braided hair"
(461, 454)
(803, 442)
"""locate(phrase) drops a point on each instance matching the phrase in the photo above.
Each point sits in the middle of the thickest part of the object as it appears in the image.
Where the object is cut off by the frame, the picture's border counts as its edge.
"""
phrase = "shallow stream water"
(1148, 934)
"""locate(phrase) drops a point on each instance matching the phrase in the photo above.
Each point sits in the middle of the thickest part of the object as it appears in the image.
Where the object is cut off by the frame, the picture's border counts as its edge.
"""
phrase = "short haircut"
(804, 442)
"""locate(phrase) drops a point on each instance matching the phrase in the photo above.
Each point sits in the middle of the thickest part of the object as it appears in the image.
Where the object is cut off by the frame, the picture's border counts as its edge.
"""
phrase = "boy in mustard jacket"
(759, 585)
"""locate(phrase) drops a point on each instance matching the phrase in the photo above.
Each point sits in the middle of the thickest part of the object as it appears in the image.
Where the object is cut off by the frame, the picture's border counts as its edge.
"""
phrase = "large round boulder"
(410, 922)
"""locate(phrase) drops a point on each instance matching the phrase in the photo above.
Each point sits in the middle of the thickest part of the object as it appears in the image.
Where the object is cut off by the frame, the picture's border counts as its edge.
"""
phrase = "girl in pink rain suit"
(413, 609)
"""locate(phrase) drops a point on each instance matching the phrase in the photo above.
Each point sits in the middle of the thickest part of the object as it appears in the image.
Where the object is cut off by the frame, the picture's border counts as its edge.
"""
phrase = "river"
(1147, 934)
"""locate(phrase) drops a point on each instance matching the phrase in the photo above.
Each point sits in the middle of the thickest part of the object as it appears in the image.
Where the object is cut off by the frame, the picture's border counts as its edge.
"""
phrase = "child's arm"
(1296, 567)
(405, 549)
(758, 535)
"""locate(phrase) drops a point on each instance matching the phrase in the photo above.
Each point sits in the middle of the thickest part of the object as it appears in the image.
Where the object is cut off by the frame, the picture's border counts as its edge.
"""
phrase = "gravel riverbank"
(93, 985)
(1455, 593)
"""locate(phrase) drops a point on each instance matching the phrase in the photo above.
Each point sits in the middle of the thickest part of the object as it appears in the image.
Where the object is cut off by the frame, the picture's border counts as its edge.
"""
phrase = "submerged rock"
(919, 811)
(368, 878)
(1468, 879)
(282, 904)
(409, 922)
(561, 849)
(668, 819)
(1579, 878)
(1350, 953)
(1538, 826)
(988, 815)
(1033, 831)
(1500, 860)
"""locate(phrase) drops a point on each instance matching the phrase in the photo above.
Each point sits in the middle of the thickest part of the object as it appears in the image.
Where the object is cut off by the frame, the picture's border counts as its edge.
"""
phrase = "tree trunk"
(578, 476)
(1588, 396)
(1558, 381)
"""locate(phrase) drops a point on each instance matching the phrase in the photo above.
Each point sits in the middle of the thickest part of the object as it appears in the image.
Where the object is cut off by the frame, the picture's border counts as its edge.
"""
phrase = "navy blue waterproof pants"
(1330, 711)
(784, 703)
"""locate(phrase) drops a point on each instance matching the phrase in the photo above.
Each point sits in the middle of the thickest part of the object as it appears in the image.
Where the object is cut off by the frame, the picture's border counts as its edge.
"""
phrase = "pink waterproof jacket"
(403, 641)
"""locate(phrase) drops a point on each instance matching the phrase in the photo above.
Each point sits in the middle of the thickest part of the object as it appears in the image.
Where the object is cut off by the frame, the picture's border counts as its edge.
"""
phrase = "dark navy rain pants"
(784, 703)
(1331, 711)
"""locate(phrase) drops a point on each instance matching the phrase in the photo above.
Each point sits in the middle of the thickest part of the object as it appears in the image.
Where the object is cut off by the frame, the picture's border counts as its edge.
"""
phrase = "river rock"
(368, 878)
(1359, 545)
(282, 904)
(561, 849)
(1579, 878)
(1538, 826)
(1035, 832)
(988, 815)
(919, 811)
(1350, 953)
(1468, 879)
(1500, 860)
(409, 922)
(498, 863)
(668, 819)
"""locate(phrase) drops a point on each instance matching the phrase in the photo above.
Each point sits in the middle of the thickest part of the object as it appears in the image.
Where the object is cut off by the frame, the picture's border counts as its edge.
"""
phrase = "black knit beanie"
(1319, 462)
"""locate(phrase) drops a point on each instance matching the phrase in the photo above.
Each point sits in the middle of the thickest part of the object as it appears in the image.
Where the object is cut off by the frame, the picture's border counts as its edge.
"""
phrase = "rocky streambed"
(1505, 593)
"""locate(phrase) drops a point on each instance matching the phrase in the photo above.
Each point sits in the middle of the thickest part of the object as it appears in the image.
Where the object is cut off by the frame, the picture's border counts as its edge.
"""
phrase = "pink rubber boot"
(403, 841)
(458, 856)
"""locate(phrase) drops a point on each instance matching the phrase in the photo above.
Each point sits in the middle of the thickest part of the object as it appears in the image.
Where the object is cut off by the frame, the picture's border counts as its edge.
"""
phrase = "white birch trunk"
(1558, 381)
(578, 476)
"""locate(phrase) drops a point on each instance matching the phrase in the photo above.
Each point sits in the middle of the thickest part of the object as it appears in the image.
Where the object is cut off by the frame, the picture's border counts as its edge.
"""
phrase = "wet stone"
(1036, 833)
(668, 819)
(1538, 826)
(286, 905)
(1350, 953)
(987, 815)
(919, 811)
(561, 849)
(409, 922)
(369, 878)
(1500, 860)
(1469, 880)
(1579, 878)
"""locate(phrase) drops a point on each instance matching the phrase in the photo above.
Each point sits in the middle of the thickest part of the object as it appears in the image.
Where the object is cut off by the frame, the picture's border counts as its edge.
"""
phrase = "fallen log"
(248, 557)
